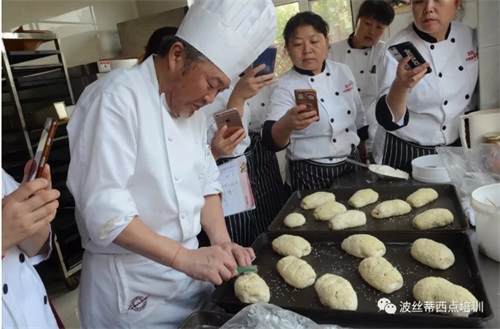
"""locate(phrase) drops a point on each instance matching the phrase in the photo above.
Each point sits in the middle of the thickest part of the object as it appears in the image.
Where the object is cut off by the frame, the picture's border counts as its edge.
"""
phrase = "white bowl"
(429, 169)
(487, 219)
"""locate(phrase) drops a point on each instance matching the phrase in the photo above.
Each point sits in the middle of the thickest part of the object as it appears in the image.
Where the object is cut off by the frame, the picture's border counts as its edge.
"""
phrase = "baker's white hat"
(230, 33)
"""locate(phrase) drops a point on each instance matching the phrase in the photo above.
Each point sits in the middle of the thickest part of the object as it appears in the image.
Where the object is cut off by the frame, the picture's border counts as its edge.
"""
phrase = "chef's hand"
(300, 117)
(242, 255)
(28, 209)
(408, 78)
(249, 85)
(212, 264)
(224, 146)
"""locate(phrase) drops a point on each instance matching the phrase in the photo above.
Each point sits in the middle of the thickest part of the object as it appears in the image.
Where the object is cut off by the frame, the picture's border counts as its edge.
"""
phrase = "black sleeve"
(363, 133)
(267, 137)
(384, 115)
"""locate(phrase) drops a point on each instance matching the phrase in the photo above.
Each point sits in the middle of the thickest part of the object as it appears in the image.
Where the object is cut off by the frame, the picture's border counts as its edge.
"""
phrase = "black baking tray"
(328, 257)
(205, 320)
(448, 198)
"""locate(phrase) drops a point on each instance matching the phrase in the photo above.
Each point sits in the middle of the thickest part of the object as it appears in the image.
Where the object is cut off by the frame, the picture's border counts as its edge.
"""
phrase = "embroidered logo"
(471, 55)
(348, 87)
(138, 303)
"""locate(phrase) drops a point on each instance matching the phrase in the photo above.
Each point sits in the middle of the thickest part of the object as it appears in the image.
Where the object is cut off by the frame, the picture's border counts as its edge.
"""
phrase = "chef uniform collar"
(308, 72)
(231, 34)
(427, 37)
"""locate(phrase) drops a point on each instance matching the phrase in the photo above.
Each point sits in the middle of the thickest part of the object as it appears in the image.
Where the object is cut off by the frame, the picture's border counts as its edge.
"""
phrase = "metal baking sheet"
(448, 198)
(328, 257)
(205, 320)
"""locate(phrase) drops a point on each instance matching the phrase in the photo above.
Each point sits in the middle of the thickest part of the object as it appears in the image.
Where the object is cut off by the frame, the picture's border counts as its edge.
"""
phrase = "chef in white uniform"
(316, 147)
(361, 52)
(144, 179)
(420, 111)
(27, 210)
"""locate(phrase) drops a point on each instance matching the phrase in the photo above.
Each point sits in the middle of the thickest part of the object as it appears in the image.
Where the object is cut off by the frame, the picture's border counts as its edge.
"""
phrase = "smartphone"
(405, 49)
(231, 118)
(268, 57)
(308, 97)
(43, 148)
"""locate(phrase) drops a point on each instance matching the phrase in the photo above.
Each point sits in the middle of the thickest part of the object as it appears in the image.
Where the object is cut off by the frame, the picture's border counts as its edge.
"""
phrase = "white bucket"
(487, 219)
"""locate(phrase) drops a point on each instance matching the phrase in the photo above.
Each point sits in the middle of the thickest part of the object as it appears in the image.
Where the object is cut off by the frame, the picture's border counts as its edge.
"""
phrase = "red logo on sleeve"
(471, 55)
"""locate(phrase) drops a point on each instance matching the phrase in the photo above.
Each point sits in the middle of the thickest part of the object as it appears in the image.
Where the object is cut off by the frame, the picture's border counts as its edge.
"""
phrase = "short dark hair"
(192, 54)
(379, 10)
(156, 39)
(305, 18)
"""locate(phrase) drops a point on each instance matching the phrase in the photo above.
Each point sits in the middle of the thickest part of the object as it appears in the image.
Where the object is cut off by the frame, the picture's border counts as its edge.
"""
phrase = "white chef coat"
(437, 101)
(331, 139)
(219, 104)
(25, 302)
(258, 108)
(130, 157)
(363, 64)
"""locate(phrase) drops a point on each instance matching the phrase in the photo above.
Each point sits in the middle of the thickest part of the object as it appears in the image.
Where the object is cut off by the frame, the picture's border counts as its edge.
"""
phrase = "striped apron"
(399, 153)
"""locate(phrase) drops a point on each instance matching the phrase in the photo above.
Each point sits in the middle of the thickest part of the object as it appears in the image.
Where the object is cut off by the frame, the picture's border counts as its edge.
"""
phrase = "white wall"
(148, 7)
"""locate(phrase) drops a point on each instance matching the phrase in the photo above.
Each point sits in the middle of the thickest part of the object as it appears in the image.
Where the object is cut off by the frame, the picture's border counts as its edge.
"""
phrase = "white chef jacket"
(331, 139)
(25, 302)
(437, 101)
(258, 108)
(130, 157)
(219, 104)
(363, 64)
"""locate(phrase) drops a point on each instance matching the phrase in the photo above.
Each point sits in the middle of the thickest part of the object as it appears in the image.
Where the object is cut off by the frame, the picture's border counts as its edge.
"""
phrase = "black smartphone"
(231, 118)
(408, 49)
(268, 57)
(307, 97)
(43, 148)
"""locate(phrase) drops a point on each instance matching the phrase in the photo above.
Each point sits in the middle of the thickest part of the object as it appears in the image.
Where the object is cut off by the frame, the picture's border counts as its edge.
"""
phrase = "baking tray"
(205, 320)
(328, 257)
(448, 198)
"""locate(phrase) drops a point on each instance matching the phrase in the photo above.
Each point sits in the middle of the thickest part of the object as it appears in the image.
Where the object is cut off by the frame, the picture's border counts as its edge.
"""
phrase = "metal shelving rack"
(29, 86)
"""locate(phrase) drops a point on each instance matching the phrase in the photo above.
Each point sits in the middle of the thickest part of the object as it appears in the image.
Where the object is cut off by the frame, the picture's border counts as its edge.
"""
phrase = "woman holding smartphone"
(420, 111)
(317, 141)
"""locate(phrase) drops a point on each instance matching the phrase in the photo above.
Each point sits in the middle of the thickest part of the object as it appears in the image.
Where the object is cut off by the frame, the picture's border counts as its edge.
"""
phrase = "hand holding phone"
(307, 97)
(268, 57)
(231, 118)
(408, 49)
(43, 148)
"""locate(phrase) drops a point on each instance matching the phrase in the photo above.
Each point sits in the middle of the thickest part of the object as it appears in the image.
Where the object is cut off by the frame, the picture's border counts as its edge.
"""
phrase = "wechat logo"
(384, 304)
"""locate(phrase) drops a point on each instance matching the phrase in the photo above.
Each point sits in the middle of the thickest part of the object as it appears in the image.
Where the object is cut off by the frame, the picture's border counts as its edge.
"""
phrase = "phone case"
(308, 97)
(405, 49)
(268, 57)
(43, 148)
(231, 118)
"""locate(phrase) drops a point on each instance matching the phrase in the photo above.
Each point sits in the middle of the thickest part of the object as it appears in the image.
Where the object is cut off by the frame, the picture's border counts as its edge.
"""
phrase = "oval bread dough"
(313, 201)
(432, 253)
(432, 218)
(336, 293)
(291, 245)
(380, 274)
(296, 272)
(422, 197)
(294, 219)
(433, 290)
(328, 209)
(391, 208)
(363, 246)
(347, 219)
(251, 288)
(362, 198)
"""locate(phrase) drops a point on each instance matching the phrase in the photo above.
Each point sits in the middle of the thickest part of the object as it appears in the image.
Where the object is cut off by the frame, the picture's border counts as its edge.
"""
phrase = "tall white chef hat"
(230, 33)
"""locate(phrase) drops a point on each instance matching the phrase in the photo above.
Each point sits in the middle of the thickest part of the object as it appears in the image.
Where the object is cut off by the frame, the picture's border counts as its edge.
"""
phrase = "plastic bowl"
(486, 204)
(429, 169)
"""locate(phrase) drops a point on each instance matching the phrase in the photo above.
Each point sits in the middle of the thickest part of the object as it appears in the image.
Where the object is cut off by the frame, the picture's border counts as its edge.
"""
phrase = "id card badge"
(237, 194)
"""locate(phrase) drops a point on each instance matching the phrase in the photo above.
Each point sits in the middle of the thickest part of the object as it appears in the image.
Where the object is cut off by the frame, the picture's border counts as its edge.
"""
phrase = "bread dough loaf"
(362, 198)
(291, 245)
(336, 293)
(328, 209)
(380, 274)
(432, 253)
(294, 219)
(391, 208)
(347, 219)
(296, 272)
(432, 218)
(313, 201)
(363, 246)
(251, 288)
(422, 197)
(438, 290)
